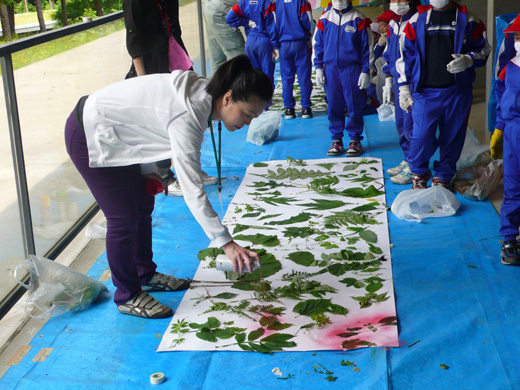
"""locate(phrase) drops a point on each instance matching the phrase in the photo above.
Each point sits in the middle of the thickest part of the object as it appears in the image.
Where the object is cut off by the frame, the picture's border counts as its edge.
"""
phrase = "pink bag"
(177, 57)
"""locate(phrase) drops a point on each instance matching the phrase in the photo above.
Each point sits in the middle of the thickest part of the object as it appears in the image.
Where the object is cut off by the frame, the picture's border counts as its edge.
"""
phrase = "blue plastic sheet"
(452, 294)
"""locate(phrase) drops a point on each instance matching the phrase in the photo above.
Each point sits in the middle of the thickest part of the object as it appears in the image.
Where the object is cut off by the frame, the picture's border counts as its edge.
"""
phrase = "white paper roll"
(157, 378)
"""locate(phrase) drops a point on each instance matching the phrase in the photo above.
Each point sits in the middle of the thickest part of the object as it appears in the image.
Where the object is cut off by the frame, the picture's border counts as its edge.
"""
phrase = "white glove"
(460, 63)
(405, 97)
(320, 78)
(276, 55)
(382, 41)
(252, 24)
(364, 81)
(387, 90)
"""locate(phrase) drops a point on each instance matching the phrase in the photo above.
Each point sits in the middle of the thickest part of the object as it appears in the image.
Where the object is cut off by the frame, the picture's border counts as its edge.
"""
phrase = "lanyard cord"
(217, 157)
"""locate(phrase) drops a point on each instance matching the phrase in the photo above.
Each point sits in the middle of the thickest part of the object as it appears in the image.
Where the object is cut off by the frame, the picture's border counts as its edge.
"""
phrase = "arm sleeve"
(135, 30)
(499, 91)
(406, 60)
(270, 22)
(386, 54)
(306, 16)
(235, 17)
(318, 46)
(367, 45)
(477, 47)
(186, 140)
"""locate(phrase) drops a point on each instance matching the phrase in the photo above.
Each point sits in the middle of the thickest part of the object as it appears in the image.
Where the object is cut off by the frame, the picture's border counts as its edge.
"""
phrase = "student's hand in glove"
(276, 55)
(382, 41)
(251, 24)
(364, 81)
(460, 63)
(405, 98)
(497, 144)
(387, 90)
(320, 78)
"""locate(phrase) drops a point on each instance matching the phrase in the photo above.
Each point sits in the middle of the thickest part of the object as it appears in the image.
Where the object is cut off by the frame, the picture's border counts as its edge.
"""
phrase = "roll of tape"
(157, 378)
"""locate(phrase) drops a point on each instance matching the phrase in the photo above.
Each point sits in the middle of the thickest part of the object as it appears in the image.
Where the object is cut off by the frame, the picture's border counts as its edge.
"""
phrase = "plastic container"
(223, 263)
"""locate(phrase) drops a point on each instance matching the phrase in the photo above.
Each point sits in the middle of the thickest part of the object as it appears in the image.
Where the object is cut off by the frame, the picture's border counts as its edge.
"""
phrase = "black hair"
(413, 5)
(238, 75)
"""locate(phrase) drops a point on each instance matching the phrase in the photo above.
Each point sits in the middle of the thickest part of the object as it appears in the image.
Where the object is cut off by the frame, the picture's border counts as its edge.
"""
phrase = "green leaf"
(279, 326)
(252, 286)
(312, 306)
(269, 216)
(225, 295)
(337, 309)
(302, 258)
(323, 204)
(373, 287)
(375, 249)
(357, 192)
(302, 217)
(300, 232)
(368, 235)
(327, 166)
(240, 338)
(206, 335)
(350, 167)
(255, 334)
(259, 239)
(366, 207)
(209, 252)
(260, 165)
(269, 267)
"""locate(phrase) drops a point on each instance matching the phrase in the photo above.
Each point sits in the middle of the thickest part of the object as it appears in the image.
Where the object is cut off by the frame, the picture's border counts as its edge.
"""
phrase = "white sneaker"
(208, 180)
(405, 177)
(397, 170)
(174, 189)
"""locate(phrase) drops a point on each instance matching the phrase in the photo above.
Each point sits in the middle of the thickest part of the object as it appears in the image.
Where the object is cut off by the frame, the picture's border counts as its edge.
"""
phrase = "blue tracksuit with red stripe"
(294, 26)
(344, 49)
(508, 95)
(505, 54)
(444, 107)
(262, 37)
(403, 119)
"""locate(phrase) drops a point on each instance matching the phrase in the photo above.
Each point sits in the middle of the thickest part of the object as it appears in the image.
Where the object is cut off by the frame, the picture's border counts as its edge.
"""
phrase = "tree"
(64, 17)
(99, 7)
(7, 19)
(39, 12)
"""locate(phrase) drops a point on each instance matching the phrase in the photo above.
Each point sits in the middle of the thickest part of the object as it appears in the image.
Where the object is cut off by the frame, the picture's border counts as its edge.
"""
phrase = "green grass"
(31, 17)
(57, 46)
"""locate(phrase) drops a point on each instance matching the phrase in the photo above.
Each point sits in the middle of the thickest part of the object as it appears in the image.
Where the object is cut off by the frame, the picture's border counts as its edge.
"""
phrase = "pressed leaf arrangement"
(320, 227)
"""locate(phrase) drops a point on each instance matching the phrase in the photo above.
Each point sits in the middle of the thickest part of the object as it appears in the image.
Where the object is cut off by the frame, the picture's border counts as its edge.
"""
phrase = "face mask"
(400, 8)
(517, 48)
(439, 3)
(340, 4)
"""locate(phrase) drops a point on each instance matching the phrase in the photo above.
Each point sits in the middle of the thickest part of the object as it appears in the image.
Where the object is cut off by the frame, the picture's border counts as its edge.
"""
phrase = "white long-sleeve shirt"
(152, 118)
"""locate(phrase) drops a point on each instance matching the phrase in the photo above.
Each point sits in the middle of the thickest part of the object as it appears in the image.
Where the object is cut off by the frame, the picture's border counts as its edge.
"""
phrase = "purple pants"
(120, 193)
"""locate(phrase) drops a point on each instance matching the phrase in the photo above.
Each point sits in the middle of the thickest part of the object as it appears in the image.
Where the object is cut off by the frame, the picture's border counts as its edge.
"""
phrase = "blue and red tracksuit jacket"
(261, 12)
(507, 90)
(392, 52)
(506, 53)
(469, 39)
(294, 20)
(343, 38)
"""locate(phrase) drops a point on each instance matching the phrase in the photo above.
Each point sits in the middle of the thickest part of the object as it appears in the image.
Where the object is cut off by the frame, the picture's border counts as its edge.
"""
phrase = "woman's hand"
(241, 258)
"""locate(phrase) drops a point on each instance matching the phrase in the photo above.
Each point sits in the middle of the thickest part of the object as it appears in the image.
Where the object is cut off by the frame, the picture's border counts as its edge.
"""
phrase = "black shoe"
(307, 114)
(290, 114)
(509, 253)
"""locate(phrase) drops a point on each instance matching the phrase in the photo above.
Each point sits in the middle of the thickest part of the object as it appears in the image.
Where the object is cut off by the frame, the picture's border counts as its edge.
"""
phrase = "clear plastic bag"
(264, 128)
(476, 182)
(434, 202)
(473, 151)
(55, 289)
(386, 113)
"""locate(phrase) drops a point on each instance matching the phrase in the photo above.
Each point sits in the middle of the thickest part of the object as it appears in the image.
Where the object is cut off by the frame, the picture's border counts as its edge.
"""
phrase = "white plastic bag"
(386, 113)
(55, 289)
(96, 230)
(473, 151)
(415, 205)
(264, 128)
(476, 182)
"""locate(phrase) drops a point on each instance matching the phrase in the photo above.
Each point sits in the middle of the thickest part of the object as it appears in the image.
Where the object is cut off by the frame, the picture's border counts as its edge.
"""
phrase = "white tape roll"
(157, 378)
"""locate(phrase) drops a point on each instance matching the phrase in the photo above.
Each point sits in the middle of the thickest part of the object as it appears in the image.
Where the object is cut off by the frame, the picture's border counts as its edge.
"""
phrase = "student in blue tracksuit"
(505, 54)
(508, 95)
(403, 120)
(295, 27)
(262, 46)
(441, 47)
(344, 53)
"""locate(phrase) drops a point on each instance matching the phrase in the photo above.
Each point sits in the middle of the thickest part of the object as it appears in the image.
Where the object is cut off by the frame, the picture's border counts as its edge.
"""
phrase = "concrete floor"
(60, 80)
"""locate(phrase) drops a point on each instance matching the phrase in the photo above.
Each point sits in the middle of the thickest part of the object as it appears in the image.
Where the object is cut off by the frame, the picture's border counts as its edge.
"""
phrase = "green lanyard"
(218, 159)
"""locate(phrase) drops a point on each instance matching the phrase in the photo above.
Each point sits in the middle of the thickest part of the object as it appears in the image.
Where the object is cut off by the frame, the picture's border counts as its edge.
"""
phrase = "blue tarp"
(452, 294)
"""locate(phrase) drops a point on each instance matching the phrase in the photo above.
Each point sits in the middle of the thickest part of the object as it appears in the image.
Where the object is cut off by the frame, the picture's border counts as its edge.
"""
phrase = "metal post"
(491, 37)
(24, 207)
(201, 38)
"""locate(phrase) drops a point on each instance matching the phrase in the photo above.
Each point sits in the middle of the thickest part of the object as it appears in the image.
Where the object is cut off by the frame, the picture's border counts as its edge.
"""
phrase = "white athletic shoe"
(397, 170)
(174, 189)
(208, 180)
(405, 177)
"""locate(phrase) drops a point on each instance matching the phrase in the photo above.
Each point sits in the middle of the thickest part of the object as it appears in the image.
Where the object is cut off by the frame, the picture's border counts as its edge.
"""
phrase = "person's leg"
(230, 39)
(354, 100)
(456, 104)
(335, 101)
(117, 191)
(510, 209)
(216, 54)
(423, 142)
(303, 54)
(287, 71)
